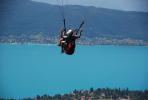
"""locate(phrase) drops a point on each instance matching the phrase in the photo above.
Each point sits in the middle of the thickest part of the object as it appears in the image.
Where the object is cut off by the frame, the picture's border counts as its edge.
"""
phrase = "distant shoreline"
(93, 94)
(77, 44)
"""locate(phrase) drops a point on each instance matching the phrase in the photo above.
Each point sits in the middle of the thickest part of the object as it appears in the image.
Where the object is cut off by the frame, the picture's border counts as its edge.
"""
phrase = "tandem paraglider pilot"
(67, 41)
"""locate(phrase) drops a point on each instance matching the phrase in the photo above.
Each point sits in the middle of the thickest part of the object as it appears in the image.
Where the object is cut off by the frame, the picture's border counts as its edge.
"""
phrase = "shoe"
(62, 51)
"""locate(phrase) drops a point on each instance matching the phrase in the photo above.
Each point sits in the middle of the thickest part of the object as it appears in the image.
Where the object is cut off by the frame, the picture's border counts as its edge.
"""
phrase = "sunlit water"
(28, 70)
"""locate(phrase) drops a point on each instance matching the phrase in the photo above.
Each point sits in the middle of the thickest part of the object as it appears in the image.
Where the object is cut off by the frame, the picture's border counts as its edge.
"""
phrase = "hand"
(81, 30)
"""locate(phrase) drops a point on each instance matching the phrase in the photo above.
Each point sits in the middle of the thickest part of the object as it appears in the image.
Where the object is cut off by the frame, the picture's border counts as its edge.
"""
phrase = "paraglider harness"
(69, 46)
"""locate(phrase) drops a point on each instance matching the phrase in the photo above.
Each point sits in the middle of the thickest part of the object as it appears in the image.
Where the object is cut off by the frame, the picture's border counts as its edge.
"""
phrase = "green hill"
(30, 18)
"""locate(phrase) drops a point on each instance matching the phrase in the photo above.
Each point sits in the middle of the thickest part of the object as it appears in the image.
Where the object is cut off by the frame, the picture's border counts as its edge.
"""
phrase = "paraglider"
(68, 38)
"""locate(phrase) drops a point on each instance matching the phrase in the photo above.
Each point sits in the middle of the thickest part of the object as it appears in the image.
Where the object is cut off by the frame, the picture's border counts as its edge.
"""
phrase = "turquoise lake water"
(30, 70)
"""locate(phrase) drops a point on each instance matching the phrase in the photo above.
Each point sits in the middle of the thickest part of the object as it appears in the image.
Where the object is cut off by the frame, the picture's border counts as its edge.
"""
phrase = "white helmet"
(69, 32)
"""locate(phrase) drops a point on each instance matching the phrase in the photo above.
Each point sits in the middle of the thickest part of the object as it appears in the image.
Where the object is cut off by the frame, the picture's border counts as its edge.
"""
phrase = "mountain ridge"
(29, 17)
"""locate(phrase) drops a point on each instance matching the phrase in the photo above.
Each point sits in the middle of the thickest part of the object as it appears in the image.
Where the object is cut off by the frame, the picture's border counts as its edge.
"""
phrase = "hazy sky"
(129, 5)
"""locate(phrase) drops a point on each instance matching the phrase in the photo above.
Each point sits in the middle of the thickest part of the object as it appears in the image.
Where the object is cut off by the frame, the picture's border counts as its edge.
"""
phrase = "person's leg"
(62, 46)
(60, 42)
(62, 49)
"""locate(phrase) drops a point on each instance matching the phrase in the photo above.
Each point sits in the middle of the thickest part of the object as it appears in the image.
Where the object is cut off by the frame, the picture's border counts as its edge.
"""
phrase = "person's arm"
(79, 35)
(63, 32)
(80, 32)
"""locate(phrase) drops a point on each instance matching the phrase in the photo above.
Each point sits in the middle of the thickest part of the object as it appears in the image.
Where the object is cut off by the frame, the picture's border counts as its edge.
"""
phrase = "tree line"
(96, 94)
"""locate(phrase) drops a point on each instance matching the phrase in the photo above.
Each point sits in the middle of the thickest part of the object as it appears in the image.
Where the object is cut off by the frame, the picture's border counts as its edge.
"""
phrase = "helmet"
(69, 32)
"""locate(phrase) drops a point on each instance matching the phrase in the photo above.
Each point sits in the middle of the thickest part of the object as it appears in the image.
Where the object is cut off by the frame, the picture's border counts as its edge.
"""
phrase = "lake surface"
(28, 70)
